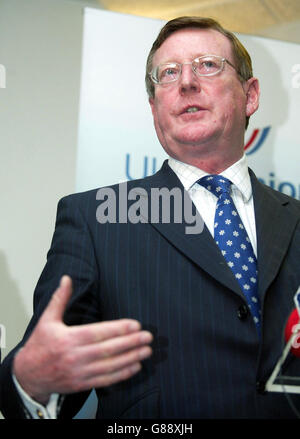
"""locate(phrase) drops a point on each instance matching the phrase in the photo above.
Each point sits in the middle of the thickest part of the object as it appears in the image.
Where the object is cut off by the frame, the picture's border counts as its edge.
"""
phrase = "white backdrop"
(117, 140)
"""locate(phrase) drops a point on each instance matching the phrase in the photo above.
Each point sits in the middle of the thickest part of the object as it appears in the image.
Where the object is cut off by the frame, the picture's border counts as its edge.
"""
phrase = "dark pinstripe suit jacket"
(207, 358)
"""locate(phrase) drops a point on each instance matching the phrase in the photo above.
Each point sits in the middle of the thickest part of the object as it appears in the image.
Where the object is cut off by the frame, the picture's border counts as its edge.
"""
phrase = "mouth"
(191, 109)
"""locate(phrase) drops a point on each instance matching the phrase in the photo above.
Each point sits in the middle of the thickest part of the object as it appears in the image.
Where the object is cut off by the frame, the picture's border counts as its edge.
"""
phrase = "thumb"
(58, 303)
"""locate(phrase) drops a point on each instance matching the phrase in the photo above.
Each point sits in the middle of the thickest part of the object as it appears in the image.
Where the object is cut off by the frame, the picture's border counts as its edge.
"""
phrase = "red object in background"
(292, 321)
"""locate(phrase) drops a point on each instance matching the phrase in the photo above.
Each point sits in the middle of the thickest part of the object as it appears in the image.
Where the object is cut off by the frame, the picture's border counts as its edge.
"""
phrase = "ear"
(252, 91)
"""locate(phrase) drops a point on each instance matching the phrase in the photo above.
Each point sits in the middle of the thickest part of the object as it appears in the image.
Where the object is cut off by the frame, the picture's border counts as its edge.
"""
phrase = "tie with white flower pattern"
(231, 236)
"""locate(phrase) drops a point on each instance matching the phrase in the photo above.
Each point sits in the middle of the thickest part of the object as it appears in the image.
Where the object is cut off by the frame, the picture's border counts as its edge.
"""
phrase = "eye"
(168, 73)
(208, 65)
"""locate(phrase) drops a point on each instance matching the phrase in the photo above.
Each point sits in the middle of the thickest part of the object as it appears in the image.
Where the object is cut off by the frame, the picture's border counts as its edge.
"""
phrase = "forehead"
(186, 44)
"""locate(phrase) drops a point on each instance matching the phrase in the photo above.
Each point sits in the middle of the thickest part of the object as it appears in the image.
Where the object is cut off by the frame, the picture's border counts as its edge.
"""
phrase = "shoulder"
(91, 196)
(266, 194)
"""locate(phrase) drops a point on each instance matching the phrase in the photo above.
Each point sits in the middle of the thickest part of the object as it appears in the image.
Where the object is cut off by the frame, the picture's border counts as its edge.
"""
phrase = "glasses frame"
(222, 59)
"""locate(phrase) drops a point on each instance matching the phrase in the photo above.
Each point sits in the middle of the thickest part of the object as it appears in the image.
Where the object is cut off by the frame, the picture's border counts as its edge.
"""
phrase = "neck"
(212, 156)
(210, 163)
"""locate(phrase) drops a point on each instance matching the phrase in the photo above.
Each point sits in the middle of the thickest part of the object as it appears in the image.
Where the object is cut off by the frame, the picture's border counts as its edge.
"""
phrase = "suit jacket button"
(242, 312)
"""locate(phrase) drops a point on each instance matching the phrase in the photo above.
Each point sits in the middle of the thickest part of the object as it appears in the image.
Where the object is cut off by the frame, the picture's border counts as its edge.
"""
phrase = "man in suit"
(211, 354)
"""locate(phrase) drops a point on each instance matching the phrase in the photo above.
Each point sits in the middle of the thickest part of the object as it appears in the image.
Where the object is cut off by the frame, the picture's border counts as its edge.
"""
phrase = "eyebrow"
(172, 60)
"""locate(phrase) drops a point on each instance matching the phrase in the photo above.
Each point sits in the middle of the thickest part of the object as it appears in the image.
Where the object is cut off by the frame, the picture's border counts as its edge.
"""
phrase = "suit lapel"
(274, 228)
(200, 248)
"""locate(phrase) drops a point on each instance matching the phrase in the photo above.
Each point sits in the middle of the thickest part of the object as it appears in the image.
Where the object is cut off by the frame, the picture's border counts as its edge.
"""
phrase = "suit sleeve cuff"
(36, 410)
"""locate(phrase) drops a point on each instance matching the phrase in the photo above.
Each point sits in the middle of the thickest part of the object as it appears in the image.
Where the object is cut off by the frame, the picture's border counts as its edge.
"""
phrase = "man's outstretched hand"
(65, 359)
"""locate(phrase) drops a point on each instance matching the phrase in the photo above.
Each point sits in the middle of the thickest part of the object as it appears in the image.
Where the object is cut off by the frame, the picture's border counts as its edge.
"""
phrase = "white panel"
(115, 119)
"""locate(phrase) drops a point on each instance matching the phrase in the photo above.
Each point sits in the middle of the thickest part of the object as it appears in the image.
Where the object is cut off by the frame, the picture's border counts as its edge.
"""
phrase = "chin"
(195, 138)
(196, 132)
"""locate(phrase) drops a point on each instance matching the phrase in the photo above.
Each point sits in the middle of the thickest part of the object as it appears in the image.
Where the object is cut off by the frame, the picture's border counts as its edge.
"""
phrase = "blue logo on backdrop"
(286, 187)
(254, 143)
(256, 140)
(148, 167)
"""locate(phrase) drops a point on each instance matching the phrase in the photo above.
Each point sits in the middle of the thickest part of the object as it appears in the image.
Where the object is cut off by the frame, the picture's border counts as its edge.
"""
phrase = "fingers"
(101, 364)
(58, 303)
(108, 371)
(115, 346)
(96, 332)
(111, 365)
(113, 377)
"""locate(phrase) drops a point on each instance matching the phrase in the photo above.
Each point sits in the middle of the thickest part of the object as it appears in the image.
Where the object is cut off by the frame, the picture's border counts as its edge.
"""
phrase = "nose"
(189, 83)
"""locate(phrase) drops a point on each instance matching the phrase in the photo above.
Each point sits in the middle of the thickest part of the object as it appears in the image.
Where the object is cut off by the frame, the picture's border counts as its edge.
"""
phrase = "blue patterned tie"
(231, 236)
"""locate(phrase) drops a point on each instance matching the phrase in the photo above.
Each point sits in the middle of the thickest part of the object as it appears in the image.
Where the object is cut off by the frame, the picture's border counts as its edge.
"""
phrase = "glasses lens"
(207, 65)
(167, 73)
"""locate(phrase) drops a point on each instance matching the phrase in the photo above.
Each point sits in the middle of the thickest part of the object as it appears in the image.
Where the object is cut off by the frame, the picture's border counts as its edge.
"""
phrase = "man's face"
(221, 100)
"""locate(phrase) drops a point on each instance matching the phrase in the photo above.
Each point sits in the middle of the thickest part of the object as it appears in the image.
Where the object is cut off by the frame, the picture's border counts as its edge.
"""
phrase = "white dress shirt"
(205, 203)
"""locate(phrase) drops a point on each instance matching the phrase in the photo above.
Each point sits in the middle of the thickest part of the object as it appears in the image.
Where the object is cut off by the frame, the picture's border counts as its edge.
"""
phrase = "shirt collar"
(237, 173)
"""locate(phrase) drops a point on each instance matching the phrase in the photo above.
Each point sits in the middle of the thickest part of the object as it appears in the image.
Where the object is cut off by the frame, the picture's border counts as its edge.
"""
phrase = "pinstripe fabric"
(206, 360)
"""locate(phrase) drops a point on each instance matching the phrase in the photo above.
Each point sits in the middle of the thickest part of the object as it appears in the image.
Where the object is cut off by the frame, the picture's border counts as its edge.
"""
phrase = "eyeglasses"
(206, 65)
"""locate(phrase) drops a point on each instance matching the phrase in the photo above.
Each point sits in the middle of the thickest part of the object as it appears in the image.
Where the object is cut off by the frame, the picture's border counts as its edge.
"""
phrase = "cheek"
(160, 122)
(163, 104)
(162, 119)
(232, 105)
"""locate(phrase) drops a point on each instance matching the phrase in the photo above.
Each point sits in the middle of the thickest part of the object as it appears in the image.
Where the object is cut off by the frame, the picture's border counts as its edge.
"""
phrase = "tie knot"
(217, 184)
